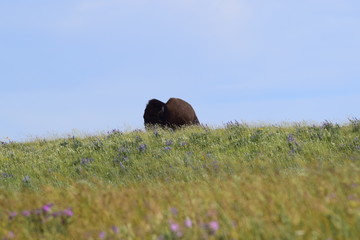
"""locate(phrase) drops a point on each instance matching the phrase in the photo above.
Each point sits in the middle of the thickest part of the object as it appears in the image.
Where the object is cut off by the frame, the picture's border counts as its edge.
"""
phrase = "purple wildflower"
(102, 235)
(352, 197)
(12, 215)
(56, 214)
(174, 211)
(215, 164)
(167, 148)
(68, 212)
(156, 133)
(6, 175)
(124, 150)
(183, 144)
(169, 142)
(174, 227)
(115, 229)
(327, 125)
(47, 207)
(26, 179)
(291, 138)
(188, 223)
(293, 144)
(212, 227)
(121, 165)
(142, 147)
(26, 213)
(10, 235)
(85, 161)
(114, 131)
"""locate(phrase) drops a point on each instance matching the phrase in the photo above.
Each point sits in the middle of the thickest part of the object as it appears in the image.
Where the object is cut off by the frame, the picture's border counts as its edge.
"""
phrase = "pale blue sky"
(92, 65)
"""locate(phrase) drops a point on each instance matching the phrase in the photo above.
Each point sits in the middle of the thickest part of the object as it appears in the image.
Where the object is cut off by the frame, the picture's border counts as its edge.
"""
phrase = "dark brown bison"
(175, 113)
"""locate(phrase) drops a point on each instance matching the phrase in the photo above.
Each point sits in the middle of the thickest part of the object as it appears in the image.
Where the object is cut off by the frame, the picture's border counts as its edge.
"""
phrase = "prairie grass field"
(290, 181)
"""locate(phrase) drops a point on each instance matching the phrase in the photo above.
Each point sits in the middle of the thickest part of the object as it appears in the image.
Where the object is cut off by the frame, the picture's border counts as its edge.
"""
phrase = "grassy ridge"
(238, 182)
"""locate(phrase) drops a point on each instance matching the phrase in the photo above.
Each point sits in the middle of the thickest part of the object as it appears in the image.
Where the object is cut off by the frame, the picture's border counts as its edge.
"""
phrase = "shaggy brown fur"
(175, 113)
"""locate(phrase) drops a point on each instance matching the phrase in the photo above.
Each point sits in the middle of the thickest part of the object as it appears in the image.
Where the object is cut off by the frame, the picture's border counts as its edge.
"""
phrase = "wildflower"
(26, 179)
(212, 227)
(174, 211)
(121, 165)
(293, 144)
(85, 161)
(47, 208)
(6, 175)
(138, 139)
(215, 164)
(56, 214)
(183, 144)
(102, 235)
(156, 133)
(12, 215)
(353, 197)
(114, 132)
(327, 125)
(167, 148)
(142, 147)
(115, 229)
(175, 228)
(188, 223)
(291, 138)
(10, 235)
(169, 142)
(68, 212)
(26, 213)
(124, 150)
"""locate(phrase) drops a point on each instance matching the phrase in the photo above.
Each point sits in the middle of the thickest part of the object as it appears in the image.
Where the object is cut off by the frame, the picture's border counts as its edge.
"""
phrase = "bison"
(175, 113)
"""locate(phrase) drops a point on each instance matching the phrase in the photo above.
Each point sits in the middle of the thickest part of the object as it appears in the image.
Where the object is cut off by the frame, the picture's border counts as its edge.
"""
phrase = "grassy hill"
(237, 182)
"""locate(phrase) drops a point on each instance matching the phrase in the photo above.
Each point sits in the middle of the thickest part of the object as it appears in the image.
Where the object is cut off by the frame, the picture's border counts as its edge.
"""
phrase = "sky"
(89, 66)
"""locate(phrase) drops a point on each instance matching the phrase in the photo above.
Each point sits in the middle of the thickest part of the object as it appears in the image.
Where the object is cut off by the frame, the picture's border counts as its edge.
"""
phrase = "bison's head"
(155, 113)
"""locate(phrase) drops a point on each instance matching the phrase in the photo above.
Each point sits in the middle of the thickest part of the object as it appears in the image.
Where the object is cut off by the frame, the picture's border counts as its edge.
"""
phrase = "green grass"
(238, 182)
